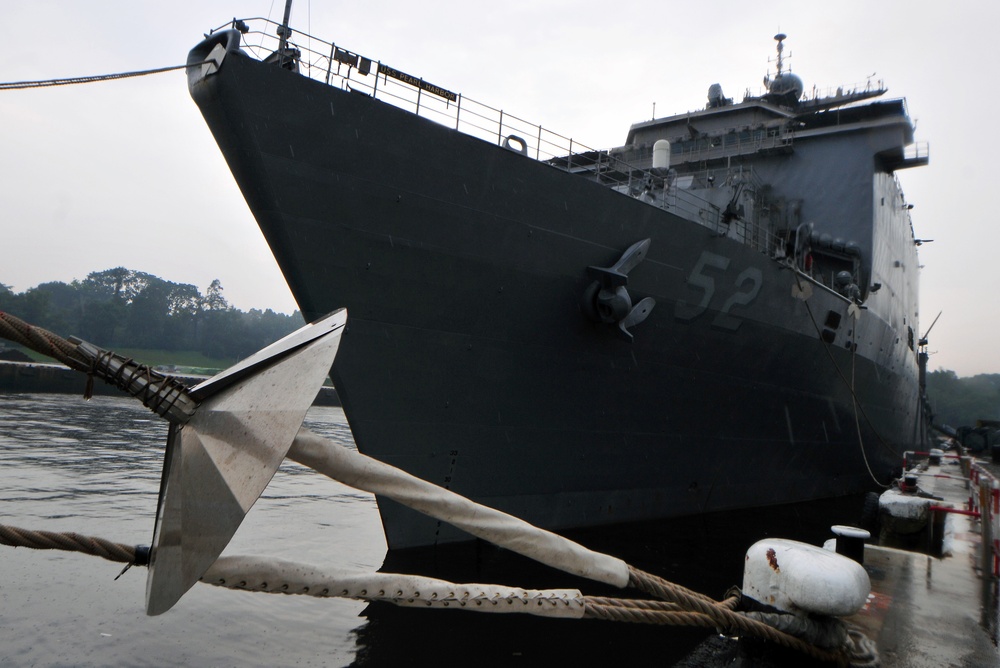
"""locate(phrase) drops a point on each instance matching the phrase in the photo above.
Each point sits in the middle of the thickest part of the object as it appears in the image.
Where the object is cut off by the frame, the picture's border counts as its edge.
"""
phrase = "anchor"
(226, 439)
(218, 463)
(606, 299)
(227, 436)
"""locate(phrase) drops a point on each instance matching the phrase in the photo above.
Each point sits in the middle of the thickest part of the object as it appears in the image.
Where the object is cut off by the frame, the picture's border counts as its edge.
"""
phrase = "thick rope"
(641, 615)
(858, 406)
(680, 607)
(155, 390)
(18, 85)
(41, 341)
(722, 616)
(70, 542)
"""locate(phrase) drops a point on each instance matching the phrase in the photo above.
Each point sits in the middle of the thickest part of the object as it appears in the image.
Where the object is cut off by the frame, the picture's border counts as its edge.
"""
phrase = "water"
(94, 468)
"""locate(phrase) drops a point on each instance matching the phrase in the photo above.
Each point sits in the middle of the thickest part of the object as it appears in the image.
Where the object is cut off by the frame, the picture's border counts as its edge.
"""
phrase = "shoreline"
(53, 378)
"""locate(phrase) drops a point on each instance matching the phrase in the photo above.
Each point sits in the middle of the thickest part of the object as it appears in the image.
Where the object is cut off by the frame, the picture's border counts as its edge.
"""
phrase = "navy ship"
(721, 313)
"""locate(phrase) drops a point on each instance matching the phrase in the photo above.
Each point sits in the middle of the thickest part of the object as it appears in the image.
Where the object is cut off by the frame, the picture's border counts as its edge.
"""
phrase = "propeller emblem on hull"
(606, 299)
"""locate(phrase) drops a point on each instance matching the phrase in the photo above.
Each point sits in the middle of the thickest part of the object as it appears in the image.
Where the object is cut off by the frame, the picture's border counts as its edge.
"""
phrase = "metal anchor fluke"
(218, 463)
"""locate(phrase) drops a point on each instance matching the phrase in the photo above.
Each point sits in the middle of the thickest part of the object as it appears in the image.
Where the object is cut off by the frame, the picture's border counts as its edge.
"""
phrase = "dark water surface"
(93, 467)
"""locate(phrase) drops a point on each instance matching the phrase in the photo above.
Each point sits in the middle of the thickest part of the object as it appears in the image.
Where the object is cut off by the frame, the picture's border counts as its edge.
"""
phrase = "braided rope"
(681, 607)
(637, 615)
(638, 603)
(70, 542)
(17, 85)
(678, 605)
(722, 616)
(41, 341)
(158, 392)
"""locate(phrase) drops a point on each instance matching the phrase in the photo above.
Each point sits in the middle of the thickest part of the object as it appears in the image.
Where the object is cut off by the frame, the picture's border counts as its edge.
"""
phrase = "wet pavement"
(935, 611)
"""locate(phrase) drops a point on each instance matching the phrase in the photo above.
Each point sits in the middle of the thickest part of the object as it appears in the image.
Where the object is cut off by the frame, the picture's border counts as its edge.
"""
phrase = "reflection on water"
(94, 468)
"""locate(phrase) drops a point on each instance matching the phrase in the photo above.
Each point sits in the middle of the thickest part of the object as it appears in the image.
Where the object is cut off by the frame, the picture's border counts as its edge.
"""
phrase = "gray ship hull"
(468, 359)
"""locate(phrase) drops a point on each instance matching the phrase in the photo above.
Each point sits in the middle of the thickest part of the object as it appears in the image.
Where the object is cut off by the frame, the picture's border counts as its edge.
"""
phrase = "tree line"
(959, 402)
(124, 308)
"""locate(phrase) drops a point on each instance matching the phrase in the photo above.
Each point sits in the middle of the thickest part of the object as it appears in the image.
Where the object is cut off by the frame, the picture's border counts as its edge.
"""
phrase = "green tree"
(121, 307)
(7, 298)
(101, 322)
(214, 301)
(960, 402)
(64, 306)
(148, 314)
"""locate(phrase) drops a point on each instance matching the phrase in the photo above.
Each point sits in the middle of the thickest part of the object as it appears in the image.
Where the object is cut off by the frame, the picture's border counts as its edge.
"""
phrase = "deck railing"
(336, 65)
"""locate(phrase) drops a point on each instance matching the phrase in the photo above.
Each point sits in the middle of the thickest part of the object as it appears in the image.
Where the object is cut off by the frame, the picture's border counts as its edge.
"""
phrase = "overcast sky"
(126, 173)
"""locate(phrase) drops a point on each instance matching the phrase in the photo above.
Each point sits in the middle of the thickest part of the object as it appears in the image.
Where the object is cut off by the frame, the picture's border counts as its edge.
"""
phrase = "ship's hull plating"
(469, 362)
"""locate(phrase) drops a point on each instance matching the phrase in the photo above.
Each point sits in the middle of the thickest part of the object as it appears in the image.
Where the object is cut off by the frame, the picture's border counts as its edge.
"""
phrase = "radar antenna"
(780, 38)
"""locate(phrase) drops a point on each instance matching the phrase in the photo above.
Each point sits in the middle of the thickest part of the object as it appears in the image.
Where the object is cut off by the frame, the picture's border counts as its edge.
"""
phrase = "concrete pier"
(939, 609)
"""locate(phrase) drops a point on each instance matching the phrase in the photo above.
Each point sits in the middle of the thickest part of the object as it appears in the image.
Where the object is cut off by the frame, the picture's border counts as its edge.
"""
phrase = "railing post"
(500, 129)
(329, 64)
(994, 515)
(538, 146)
(458, 110)
(986, 523)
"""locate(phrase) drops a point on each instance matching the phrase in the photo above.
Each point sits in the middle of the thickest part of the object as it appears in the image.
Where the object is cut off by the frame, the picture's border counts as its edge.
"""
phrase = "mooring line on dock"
(41, 341)
(850, 384)
(674, 604)
(164, 395)
(72, 542)
(265, 575)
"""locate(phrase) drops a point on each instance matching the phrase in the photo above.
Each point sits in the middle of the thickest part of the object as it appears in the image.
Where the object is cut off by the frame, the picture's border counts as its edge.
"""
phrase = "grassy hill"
(186, 359)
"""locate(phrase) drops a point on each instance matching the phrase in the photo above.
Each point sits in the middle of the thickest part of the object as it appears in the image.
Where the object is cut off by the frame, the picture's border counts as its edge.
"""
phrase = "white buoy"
(800, 578)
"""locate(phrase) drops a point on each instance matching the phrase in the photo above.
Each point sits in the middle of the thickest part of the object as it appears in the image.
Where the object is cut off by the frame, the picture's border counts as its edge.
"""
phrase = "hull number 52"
(744, 291)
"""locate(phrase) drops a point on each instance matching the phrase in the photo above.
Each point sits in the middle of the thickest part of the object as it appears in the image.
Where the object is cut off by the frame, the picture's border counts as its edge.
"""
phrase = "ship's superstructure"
(720, 313)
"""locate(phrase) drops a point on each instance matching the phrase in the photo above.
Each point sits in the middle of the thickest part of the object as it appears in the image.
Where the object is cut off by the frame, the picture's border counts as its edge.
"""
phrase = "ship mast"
(780, 37)
(284, 33)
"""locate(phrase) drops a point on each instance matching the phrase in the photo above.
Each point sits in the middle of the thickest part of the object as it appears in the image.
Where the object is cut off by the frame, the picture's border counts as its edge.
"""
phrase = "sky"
(126, 173)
